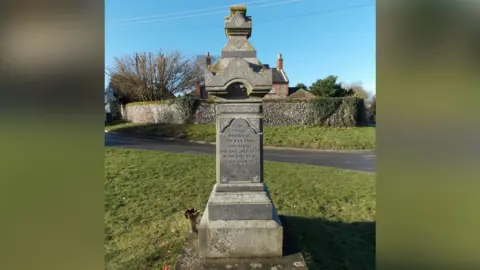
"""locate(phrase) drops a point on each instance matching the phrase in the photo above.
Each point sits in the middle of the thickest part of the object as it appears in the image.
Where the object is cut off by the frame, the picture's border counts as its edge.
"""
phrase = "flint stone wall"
(275, 114)
(154, 114)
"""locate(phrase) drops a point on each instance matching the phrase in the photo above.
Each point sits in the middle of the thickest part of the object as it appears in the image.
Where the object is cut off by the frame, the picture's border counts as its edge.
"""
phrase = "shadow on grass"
(330, 245)
(115, 122)
(366, 124)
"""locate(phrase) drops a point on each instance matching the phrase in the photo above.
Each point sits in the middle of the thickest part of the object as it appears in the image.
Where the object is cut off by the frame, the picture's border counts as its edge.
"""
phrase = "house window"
(272, 91)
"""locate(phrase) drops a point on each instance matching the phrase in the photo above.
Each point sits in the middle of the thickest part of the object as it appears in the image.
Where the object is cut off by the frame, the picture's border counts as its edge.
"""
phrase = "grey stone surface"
(240, 238)
(190, 260)
(256, 78)
(154, 114)
(240, 211)
(238, 108)
(239, 54)
(246, 205)
(238, 64)
(239, 153)
(243, 187)
(286, 114)
(205, 114)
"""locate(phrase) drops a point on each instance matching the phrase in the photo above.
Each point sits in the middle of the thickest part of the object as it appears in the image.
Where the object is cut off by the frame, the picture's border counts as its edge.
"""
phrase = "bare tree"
(358, 91)
(202, 61)
(152, 76)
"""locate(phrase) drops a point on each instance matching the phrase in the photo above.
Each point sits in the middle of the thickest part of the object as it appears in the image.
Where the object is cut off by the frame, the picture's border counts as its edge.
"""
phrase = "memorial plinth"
(240, 219)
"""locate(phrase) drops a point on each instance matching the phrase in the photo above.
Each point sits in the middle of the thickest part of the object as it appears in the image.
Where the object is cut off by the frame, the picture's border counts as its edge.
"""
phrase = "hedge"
(350, 111)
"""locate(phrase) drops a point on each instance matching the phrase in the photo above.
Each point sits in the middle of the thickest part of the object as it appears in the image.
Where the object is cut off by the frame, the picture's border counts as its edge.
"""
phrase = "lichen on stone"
(240, 8)
(216, 68)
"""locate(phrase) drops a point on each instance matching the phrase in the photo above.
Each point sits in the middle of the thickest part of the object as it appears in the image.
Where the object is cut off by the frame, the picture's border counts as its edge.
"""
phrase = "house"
(200, 91)
(280, 83)
(280, 88)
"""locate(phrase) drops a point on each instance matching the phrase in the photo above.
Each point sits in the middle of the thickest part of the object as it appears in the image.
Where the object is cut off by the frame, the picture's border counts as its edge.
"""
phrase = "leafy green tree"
(329, 87)
(301, 86)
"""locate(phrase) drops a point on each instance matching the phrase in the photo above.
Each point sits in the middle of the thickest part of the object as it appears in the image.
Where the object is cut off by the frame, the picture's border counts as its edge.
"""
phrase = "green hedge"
(339, 112)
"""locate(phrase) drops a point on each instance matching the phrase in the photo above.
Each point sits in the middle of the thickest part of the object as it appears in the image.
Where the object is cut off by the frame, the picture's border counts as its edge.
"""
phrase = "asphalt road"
(358, 161)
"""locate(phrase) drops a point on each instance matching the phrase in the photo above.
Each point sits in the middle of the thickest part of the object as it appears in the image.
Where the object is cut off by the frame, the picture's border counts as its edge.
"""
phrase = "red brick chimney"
(280, 61)
(198, 91)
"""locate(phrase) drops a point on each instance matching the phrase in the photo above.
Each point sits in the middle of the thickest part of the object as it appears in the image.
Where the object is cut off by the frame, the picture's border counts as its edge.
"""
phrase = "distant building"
(302, 94)
(200, 91)
(280, 88)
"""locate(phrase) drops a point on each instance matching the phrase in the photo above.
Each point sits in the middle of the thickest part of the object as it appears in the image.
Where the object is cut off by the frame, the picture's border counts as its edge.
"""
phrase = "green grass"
(358, 138)
(328, 213)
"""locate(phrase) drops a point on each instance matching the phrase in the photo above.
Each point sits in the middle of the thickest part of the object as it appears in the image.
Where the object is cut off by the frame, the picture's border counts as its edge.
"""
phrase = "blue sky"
(316, 37)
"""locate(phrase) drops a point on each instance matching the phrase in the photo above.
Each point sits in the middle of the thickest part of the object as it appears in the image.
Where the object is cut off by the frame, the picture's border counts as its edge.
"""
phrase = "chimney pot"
(280, 61)
(208, 59)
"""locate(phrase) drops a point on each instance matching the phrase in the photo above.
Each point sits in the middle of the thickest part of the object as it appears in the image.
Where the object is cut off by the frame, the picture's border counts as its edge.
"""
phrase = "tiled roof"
(301, 93)
(292, 90)
(278, 76)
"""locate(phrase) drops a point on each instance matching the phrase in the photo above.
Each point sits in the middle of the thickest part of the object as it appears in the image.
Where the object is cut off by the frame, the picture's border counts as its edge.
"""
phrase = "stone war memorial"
(240, 227)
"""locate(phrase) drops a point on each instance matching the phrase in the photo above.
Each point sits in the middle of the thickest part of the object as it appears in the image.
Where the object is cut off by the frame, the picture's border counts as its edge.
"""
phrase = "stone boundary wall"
(153, 114)
(275, 114)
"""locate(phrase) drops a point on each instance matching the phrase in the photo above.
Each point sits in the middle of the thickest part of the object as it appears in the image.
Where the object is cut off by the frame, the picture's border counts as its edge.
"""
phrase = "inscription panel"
(239, 109)
(240, 153)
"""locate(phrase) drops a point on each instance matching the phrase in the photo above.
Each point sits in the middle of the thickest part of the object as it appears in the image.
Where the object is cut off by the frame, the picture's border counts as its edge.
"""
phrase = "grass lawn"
(358, 138)
(328, 213)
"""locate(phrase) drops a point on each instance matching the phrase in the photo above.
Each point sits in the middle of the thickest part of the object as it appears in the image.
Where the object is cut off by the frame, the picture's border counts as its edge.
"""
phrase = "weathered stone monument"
(240, 223)
(240, 219)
